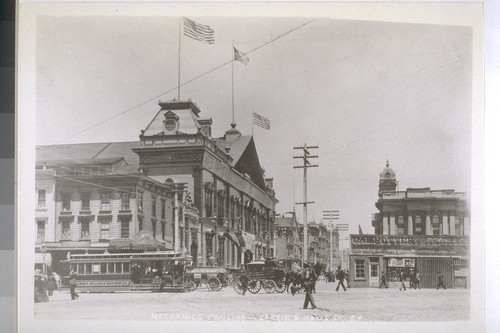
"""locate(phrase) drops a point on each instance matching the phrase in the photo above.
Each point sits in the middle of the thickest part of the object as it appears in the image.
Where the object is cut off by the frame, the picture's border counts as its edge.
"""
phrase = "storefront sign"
(458, 245)
(103, 283)
(462, 272)
(401, 262)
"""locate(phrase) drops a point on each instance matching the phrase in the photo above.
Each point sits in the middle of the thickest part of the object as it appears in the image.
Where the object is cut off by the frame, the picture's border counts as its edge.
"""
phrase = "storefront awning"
(232, 236)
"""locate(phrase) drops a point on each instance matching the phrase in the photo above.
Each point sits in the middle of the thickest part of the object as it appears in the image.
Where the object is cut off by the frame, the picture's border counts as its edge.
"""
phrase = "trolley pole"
(331, 215)
(306, 165)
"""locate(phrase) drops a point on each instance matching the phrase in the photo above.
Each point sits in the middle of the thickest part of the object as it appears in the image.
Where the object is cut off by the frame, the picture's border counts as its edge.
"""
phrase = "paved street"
(355, 304)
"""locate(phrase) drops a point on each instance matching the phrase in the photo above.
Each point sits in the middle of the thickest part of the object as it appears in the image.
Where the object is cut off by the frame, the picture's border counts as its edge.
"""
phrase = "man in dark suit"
(341, 277)
(309, 286)
(440, 281)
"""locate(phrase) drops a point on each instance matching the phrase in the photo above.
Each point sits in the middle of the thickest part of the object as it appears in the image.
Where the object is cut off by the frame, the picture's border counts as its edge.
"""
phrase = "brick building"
(418, 229)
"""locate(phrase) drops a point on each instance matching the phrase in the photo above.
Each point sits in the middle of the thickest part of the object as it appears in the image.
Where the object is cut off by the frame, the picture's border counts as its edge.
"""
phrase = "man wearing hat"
(72, 285)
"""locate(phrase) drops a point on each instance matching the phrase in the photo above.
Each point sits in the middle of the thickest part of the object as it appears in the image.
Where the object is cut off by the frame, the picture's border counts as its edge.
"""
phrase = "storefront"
(372, 255)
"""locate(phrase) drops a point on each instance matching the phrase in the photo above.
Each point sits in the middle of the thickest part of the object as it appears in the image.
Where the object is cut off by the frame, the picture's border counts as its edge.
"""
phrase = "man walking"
(244, 283)
(417, 280)
(340, 277)
(309, 286)
(383, 281)
(402, 278)
(440, 281)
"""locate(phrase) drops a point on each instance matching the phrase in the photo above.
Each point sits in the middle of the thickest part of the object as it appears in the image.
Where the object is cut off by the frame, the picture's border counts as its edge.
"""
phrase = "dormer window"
(171, 122)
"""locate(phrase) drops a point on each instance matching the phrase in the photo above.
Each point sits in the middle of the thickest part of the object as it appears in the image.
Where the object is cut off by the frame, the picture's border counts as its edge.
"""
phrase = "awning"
(233, 236)
(241, 240)
(249, 240)
(39, 259)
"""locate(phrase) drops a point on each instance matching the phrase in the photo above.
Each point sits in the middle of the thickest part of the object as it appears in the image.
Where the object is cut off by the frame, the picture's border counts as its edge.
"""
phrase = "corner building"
(177, 188)
(418, 229)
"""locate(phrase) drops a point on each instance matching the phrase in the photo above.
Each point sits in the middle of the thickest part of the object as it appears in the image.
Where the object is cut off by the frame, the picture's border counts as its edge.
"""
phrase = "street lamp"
(43, 251)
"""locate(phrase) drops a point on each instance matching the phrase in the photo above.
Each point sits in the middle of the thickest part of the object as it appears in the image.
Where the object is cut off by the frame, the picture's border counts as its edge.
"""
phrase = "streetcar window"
(88, 268)
(126, 267)
(81, 269)
(104, 268)
(95, 268)
(73, 267)
(118, 268)
(111, 267)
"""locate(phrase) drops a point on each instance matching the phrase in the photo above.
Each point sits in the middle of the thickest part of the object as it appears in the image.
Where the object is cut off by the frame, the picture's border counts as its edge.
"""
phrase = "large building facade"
(177, 188)
(418, 229)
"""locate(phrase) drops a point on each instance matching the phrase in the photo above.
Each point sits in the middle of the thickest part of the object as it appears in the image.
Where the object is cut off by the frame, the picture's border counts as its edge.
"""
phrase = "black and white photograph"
(245, 164)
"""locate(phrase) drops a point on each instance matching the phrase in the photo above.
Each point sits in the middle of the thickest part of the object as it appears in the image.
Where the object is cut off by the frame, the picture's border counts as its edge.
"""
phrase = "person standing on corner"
(340, 277)
(51, 284)
(441, 281)
(72, 285)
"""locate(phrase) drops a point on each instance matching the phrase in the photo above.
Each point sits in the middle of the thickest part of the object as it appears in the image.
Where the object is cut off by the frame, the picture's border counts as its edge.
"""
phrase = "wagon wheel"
(237, 286)
(269, 286)
(190, 285)
(214, 284)
(280, 287)
(254, 286)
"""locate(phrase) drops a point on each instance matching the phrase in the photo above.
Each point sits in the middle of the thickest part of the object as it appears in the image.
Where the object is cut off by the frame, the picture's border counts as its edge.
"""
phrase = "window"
(41, 199)
(181, 236)
(95, 268)
(125, 201)
(163, 203)
(126, 267)
(85, 201)
(141, 224)
(125, 228)
(170, 125)
(163, 230)
(418, 225)
(104, 268)
(88, 268)
(153, 222)
(360, 269)
(65, 229)
(401, 220)
(208, 202)
(140, 197)
(84, 229)
(401, 231)
(105, 201)
(153, 206)
(436, 230)
(111, 268)
(66, 202)
(104, 229)
(81, 269)
(118, 269)
(40, 230)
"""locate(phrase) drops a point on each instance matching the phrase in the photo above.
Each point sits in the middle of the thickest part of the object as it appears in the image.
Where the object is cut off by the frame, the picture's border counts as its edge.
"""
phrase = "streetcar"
(147, 271)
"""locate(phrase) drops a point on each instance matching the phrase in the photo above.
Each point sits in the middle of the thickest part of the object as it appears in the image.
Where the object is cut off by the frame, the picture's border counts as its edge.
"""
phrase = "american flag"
(240, 56)
(261, 121)
(200, 32)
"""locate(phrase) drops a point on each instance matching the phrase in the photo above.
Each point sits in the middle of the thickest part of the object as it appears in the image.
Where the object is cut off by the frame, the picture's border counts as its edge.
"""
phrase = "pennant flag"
(200, 32)
(240, 56)
(360, 230)
(261, 121)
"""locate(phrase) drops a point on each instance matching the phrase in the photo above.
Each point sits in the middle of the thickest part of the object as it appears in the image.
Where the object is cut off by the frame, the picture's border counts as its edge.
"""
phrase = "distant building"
(418, 229)
(288, 244)
(177, 188)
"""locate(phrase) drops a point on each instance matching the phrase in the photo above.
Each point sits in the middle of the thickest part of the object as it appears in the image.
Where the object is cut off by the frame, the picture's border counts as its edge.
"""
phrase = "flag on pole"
(261, 121)
(360, 230)
(240, 56)
(200, 32)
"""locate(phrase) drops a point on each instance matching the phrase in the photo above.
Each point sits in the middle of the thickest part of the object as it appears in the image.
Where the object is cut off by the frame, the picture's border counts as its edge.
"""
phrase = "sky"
(364, 92)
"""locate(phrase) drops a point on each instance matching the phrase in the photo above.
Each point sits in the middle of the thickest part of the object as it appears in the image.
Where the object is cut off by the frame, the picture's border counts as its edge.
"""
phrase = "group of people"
(45, 286)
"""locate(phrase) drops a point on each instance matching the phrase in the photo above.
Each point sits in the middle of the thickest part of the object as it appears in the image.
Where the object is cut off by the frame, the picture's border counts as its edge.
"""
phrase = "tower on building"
(387, 180)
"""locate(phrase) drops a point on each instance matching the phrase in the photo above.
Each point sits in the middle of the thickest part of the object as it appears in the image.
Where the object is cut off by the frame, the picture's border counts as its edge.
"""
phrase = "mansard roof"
(187, 113)
(90, 153)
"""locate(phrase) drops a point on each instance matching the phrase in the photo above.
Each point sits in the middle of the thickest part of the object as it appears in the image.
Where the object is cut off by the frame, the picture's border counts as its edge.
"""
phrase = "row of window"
(84, 229)
(105, 198)
(101, 268)
(436, 225)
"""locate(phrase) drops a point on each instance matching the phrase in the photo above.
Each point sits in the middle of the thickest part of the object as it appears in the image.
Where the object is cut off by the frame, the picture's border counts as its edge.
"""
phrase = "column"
(452, 225)
(385, 225)
(446, 230)
(199, 191)
(392, 224)
(466, 226)
(428, 226)
(410, 225)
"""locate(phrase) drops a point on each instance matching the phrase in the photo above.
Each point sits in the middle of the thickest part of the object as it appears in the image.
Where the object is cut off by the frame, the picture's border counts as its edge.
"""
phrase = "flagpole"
(232, 79)
(179, 69)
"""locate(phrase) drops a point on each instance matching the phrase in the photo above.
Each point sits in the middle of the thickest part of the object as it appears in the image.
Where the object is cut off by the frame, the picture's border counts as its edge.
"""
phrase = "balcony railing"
(42, 204)
(84, 234)
(65, 234)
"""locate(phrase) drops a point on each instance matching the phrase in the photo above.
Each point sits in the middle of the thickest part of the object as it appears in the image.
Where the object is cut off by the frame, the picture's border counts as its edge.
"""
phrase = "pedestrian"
(417, 280)
(383, 281)
(441, 281)
(340, 277)
(402, 278)
(309, 286)
(40, 292)
(412, 278)
(51, 284)
(244, 283)
(72, 285)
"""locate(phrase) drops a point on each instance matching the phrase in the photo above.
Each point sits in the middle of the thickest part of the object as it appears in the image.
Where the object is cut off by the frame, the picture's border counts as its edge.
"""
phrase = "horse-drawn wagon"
(261, 274)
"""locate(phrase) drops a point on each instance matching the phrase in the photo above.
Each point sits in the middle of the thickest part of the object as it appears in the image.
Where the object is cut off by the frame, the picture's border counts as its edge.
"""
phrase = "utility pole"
(306, 165)
(331, 215)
